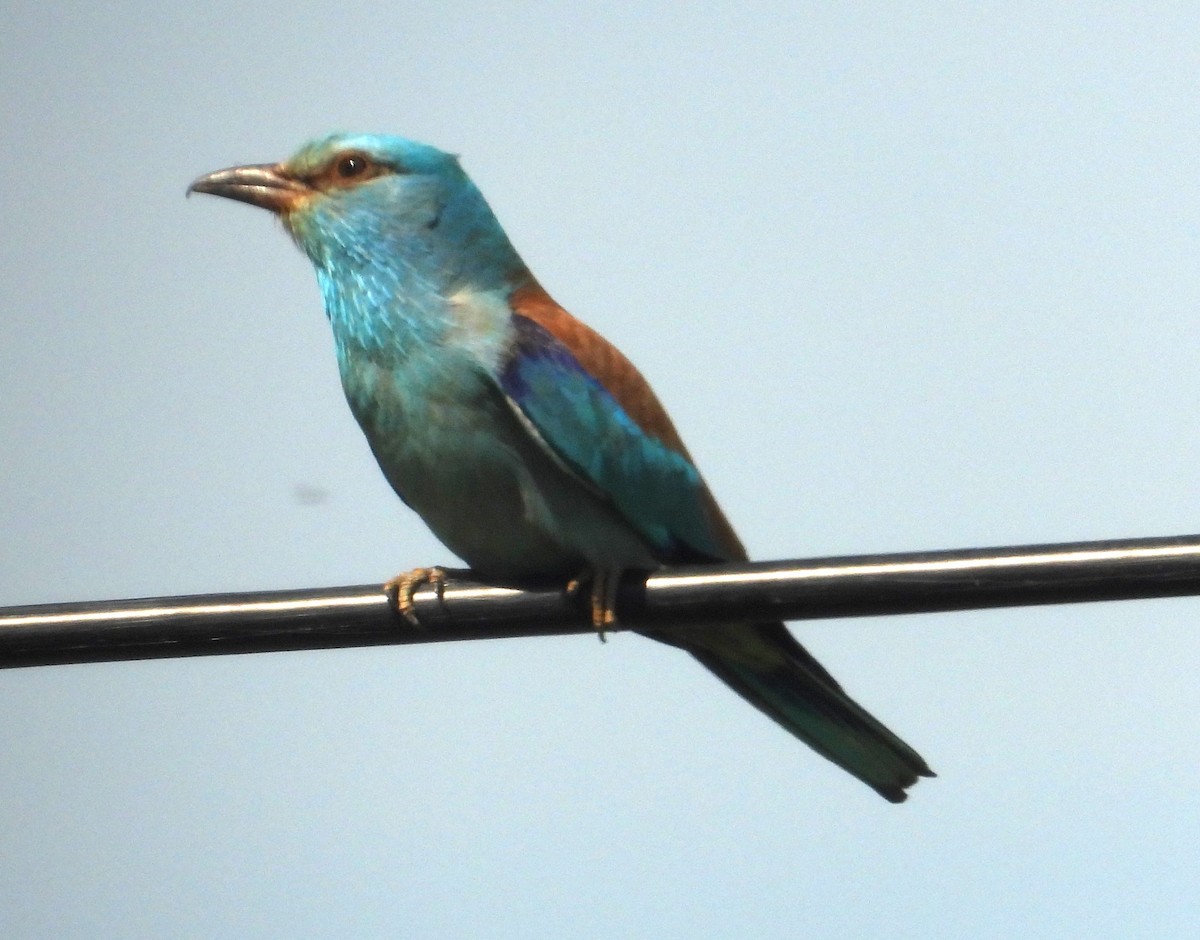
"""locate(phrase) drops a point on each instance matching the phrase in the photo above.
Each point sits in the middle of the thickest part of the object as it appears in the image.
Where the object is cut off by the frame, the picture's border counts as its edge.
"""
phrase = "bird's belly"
(459, 457)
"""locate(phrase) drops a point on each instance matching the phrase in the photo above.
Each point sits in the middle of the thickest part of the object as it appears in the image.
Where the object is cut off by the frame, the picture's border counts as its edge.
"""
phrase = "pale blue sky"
(907, 278)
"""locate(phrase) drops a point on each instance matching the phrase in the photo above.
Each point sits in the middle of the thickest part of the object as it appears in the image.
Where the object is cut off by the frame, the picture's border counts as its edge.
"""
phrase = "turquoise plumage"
(528, 443)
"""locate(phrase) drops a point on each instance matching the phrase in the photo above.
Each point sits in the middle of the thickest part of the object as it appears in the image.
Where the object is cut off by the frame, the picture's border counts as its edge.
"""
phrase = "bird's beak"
(265, 185)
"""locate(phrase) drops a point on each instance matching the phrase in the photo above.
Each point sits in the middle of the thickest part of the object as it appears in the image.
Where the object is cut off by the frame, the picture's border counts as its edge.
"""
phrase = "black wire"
(870, 585)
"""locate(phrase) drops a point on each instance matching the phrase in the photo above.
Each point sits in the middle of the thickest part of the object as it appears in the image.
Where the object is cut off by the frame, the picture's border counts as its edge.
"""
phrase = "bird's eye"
(346, 171)
(352, 165)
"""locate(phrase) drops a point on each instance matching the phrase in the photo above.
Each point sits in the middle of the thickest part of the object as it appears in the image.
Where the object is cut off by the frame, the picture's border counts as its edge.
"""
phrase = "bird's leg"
(402, 588)
(603, 584)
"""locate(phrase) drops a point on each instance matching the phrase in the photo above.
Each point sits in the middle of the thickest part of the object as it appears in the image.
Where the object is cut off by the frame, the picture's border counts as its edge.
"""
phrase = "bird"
(529, 444)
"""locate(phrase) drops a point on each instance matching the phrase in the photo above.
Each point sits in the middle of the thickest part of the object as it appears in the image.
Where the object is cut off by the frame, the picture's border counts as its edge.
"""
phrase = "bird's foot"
(602, 591)
(402, 588)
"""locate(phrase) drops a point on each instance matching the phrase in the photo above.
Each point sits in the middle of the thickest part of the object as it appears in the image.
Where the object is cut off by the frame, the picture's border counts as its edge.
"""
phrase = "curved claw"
(603, 585)
(402, 588)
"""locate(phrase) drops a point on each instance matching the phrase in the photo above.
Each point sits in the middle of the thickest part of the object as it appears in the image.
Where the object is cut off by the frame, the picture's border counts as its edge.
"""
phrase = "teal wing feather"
(655, 487)
(599, 417)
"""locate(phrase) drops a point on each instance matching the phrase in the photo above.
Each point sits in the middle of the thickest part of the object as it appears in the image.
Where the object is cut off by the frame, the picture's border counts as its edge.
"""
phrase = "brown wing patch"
(603, 360)
(622, 380)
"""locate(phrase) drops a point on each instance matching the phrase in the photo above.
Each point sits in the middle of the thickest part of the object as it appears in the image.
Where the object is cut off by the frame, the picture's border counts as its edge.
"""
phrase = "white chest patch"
(480, 323)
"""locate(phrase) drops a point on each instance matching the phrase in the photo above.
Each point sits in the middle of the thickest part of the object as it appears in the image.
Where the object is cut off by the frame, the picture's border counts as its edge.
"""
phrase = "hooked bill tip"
(262, 185)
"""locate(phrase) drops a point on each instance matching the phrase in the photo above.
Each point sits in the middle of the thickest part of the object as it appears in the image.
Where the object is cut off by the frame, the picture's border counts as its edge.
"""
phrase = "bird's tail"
(797, 692)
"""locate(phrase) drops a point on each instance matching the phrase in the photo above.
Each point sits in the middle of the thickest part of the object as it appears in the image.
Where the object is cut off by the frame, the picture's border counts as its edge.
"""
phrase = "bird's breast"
(451, 446)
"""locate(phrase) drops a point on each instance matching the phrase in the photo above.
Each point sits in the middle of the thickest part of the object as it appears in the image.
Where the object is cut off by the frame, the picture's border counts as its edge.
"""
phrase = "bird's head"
(355, 200)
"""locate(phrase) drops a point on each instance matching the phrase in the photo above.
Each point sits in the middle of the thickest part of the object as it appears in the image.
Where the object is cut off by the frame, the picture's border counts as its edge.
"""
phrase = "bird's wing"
(587, 404)
(590, 407)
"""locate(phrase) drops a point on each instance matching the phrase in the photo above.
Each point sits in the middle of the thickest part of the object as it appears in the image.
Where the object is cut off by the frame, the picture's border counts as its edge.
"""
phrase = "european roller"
(528, 444)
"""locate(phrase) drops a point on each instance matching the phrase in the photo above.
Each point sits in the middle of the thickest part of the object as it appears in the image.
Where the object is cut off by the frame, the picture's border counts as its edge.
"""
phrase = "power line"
(362, 615)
